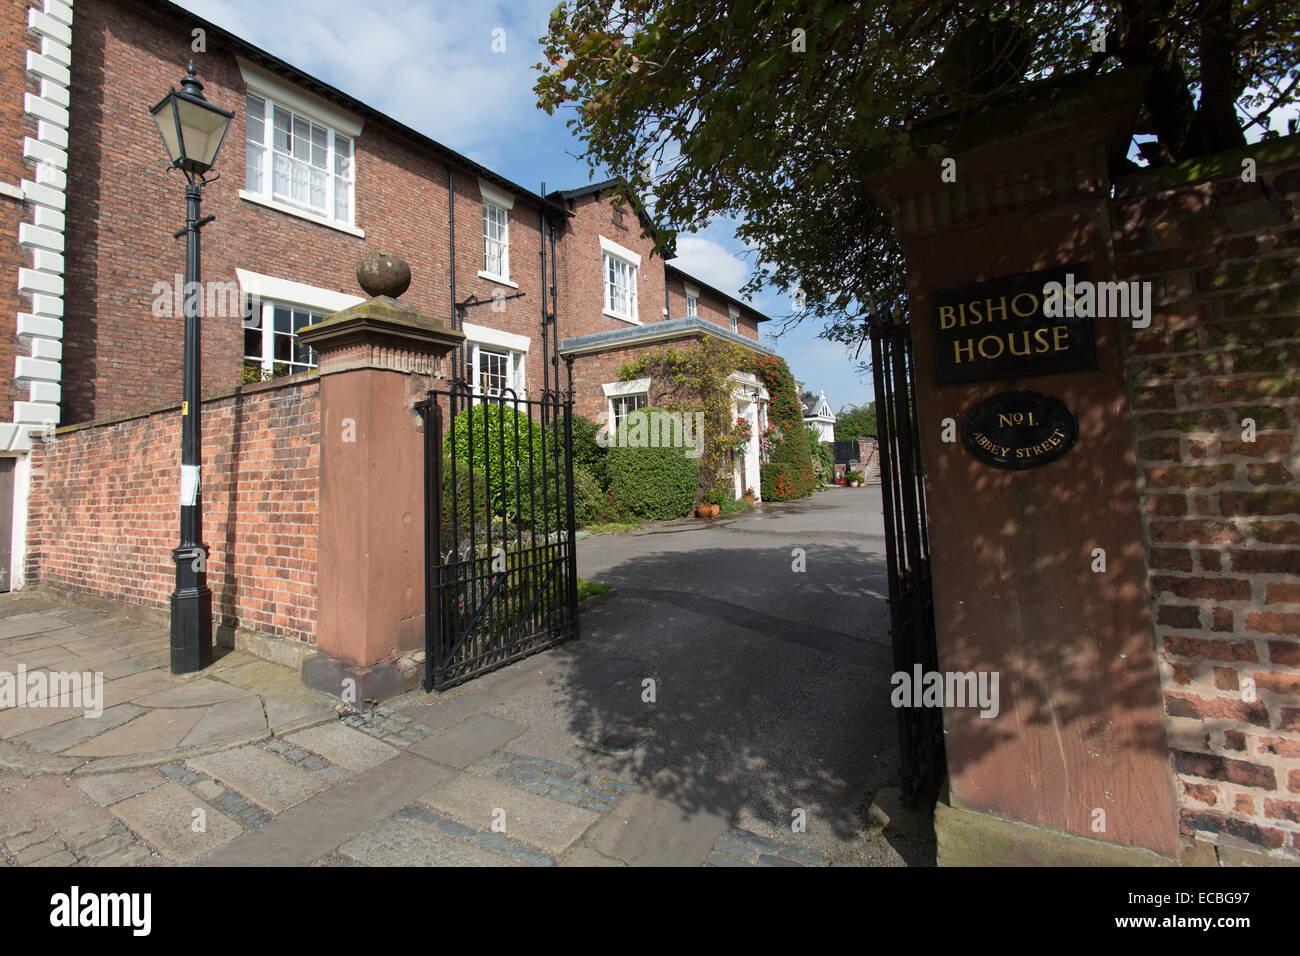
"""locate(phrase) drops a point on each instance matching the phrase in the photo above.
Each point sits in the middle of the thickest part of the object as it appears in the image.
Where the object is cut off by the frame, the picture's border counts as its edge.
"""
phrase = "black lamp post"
(192, 130)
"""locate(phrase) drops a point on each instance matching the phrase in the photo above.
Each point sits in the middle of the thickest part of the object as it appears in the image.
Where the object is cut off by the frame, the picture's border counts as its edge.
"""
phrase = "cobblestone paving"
(739, 847)
(307, 760)
(497, 843)
(387, 725)
(557, 781)
(220, 796)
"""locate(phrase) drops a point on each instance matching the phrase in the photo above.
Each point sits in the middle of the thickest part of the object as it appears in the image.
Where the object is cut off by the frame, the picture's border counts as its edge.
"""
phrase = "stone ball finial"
(382, 273)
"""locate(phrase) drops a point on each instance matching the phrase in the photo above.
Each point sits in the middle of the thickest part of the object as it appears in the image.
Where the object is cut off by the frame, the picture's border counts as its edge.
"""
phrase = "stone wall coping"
(382, 317)
(1036, 106)
(1202, 168)
(252, 388)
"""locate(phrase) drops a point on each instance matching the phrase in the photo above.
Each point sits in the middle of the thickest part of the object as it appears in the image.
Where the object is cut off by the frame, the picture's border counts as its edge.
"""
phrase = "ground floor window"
(623, 405)
(271, 345)
(491, 370)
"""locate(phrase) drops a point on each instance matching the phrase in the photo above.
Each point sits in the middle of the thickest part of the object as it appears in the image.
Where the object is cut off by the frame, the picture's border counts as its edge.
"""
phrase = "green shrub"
(651, 483)
(586, 452)
(778, 480)
(521, 472)
(731, 506)
(465, 500)
(587, 496)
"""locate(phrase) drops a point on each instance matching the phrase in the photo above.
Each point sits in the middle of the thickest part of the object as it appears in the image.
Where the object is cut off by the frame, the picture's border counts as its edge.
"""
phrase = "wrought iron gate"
(922, 766)
(500, 564)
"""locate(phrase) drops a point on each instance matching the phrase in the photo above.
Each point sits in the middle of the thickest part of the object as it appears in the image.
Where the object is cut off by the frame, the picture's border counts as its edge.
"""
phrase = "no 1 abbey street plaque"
(1020, 430)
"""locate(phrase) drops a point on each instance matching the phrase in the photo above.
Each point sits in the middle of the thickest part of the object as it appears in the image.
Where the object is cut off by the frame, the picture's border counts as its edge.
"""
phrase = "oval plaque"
(1020, 430)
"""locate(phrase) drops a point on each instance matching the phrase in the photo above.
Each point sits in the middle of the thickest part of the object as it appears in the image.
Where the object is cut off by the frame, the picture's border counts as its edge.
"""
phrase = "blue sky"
(432, 66)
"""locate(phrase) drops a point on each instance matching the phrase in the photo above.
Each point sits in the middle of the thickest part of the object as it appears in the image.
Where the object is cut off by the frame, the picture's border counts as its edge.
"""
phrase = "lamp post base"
(191, 629)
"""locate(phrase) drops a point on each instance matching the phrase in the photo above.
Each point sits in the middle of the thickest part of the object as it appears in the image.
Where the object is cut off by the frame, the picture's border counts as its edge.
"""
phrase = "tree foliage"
(856, 422)
(775, 114)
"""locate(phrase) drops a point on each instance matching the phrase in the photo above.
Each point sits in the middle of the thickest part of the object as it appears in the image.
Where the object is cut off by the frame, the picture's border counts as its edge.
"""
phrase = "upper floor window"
(735, 317)
(497, 204)
(294, 159)
(496, 240)
(692, 300)
(620, 287)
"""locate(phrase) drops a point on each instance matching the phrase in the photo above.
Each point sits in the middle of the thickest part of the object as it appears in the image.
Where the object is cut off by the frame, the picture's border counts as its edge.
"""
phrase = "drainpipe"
(555, 311)
(546, 371)
(451, 249)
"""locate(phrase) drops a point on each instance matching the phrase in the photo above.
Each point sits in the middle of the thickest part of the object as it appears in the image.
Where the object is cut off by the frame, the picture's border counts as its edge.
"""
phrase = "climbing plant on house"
(695, 379)
(788, 471)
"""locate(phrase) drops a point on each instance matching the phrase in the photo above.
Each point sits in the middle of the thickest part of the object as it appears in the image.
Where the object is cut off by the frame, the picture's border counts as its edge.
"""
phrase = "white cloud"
(431, 67)
(710, 262)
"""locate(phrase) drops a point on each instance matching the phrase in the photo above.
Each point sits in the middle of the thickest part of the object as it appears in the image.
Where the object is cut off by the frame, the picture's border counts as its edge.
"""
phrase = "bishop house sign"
(1000, 330)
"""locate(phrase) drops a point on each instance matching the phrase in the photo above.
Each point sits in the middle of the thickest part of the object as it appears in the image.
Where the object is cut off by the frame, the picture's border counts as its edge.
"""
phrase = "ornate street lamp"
(193, 130)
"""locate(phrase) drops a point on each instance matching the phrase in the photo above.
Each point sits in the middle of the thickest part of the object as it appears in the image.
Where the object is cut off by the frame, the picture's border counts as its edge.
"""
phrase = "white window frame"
(504, 202)
(637, 387)
(735, 318)
(480, 338)
(266, 292)
(692, 301)
(611, 250)
(338, 123)
(264, 309)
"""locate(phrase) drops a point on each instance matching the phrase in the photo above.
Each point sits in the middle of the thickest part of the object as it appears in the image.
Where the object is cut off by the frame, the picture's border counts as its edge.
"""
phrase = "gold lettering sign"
(999, 330)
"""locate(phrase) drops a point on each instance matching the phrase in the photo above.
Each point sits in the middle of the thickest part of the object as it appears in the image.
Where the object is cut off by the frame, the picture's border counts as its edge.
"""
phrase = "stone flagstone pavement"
(552, 761)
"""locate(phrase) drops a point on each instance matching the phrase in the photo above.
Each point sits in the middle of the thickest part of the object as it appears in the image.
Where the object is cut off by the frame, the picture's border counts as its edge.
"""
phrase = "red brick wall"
(15, 41)
(123, 208)
(581, 287)
(710, 307)
(1222, 515)
(104, 513)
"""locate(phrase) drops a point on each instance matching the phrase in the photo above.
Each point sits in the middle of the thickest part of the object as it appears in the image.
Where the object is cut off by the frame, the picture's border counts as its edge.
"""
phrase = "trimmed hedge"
(587, 495)
(779, 481)
(651, 483)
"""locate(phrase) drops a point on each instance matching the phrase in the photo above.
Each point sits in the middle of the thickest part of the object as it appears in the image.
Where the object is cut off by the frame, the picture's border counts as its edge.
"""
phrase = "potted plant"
(715, 499)
(749, 495)
(854, 478)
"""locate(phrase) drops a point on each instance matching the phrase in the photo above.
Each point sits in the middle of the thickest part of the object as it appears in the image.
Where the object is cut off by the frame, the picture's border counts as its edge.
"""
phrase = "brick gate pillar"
(1074, 766)
(376, 360)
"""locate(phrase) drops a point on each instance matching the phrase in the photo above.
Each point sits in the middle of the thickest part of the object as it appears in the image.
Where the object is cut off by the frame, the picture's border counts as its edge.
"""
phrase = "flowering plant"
(740, 435)
(770, 439)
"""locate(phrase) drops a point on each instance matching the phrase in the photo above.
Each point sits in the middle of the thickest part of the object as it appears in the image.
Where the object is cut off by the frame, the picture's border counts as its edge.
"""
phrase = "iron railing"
(500, 558)
(922, 765)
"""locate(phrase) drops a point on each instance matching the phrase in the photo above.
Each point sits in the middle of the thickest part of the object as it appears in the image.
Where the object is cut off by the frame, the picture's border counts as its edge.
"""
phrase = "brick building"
(310, 179)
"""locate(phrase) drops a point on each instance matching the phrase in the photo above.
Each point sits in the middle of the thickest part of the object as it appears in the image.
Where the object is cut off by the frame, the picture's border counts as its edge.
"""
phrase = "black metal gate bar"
(500, 542)
(922, 765)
